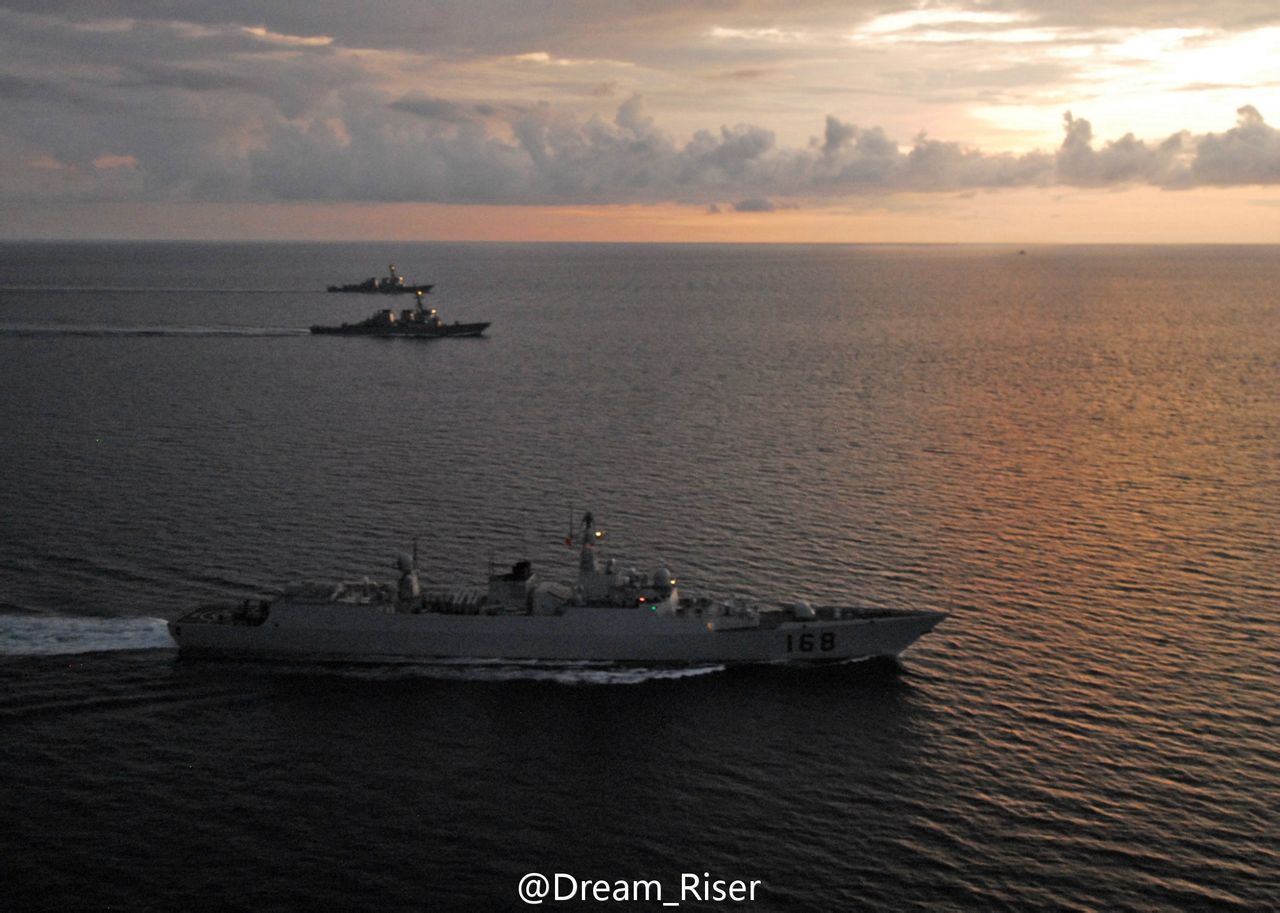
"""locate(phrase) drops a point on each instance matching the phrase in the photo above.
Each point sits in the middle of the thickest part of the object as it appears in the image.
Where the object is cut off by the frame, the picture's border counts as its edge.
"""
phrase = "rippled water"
(1075, 451)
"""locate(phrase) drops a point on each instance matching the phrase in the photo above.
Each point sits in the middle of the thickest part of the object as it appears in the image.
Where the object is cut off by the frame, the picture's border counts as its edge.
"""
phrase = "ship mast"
(587, 563)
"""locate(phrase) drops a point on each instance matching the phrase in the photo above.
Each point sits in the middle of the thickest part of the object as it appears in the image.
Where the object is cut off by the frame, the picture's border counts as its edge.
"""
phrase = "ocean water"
(1075, 451)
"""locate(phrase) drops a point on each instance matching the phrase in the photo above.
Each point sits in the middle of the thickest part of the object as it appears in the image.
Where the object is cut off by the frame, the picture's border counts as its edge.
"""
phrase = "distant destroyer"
(608, 615)
(417, 322)
(391, 284)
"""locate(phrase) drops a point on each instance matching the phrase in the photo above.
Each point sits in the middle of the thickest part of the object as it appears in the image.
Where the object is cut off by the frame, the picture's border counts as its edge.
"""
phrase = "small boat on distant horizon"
(392, 284)
(417, 322)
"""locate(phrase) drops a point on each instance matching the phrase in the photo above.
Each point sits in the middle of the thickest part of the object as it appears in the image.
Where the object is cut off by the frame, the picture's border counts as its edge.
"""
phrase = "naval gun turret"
(409, 588)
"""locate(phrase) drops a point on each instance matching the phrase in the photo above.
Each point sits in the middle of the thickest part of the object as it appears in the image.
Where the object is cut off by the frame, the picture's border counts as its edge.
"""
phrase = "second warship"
(417, 322)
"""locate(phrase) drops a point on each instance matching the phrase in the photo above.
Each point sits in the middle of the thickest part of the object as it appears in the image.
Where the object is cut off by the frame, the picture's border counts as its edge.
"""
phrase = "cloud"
(443, 109)
(744, 74)
(295, 102)
(560, 28)
(13, 88)
(296, 86)
(453, 154)
(1124, 161)
(1249, 153)
(359, 146)
(754, 204)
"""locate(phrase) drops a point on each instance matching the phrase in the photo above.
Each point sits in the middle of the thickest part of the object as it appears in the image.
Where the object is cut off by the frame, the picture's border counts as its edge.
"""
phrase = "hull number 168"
(809, 642)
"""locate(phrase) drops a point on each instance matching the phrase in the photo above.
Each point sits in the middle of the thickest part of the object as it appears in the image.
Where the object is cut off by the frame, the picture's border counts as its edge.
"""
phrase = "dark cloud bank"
(442, 151)
(358, 146)
(203, 109)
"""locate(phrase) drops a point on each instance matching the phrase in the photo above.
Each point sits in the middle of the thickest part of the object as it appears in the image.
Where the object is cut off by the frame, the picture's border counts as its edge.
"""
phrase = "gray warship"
(391, 284)
(609, 614)
(417, 322)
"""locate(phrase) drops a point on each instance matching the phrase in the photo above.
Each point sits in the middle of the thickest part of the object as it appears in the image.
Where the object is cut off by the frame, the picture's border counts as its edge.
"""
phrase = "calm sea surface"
(1075, 451)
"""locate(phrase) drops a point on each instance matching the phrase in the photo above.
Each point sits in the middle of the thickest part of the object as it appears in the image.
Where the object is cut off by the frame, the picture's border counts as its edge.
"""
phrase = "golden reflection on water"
(1075, 451)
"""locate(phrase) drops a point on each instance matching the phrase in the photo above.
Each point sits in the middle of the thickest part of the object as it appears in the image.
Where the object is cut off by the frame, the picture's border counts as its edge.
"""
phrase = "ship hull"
(405, 332)
(372, 634)
(366, 288)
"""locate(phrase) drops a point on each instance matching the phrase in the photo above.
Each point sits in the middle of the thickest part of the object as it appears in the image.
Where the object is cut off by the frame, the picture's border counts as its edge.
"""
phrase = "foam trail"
(498, 670)
(25, 635)
(97, 331)
(151, 290)
(564, 674)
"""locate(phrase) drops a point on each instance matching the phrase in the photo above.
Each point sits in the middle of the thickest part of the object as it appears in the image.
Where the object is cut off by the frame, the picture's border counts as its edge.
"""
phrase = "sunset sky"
(1027, 121)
